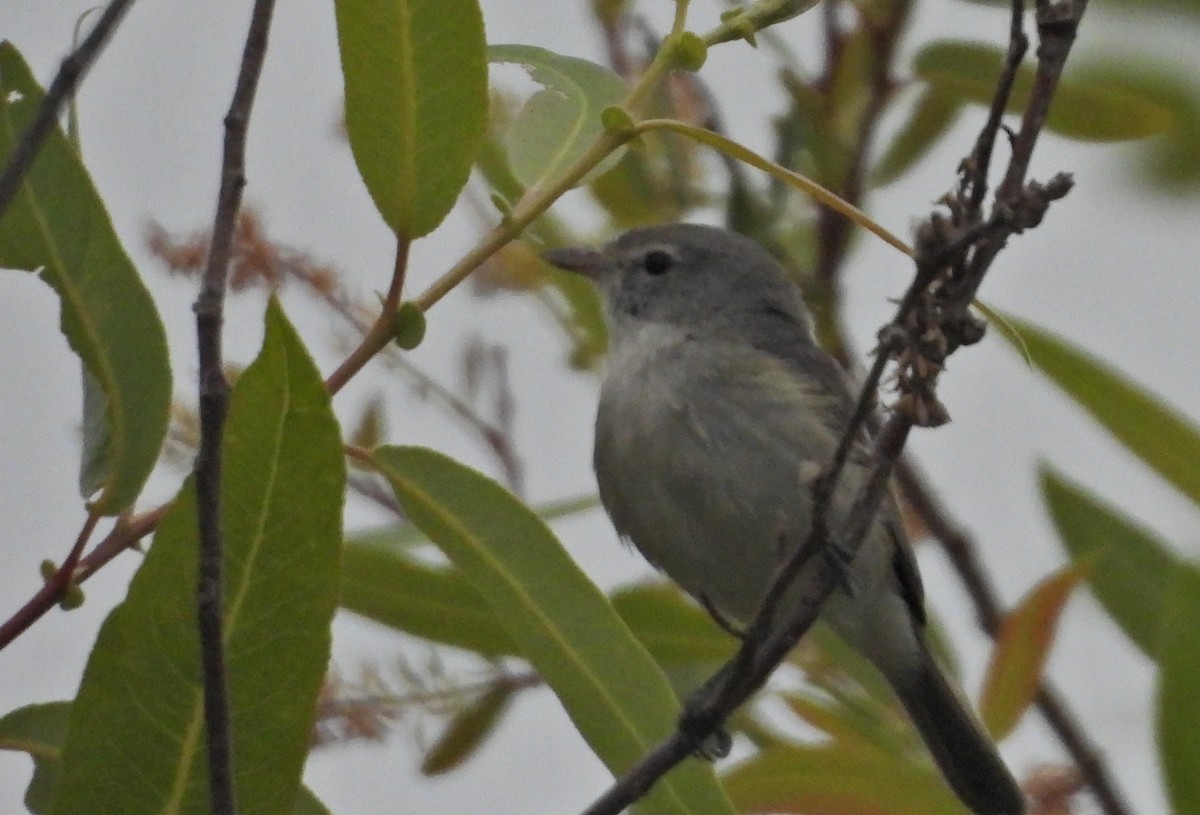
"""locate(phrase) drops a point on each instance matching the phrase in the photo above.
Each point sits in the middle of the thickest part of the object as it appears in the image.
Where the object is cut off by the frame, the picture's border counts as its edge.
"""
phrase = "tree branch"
(70, 73)
(214, 404)
(53, 590)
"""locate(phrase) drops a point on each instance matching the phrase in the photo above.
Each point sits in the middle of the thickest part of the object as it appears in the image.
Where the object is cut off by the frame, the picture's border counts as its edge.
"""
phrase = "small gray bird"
(716, 413)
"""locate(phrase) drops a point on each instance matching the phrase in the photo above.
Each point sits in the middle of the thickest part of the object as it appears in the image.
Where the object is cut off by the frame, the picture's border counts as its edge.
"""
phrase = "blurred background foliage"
(827, 737)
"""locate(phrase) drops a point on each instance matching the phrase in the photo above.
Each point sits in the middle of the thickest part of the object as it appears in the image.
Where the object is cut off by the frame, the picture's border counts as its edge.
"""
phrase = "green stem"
(803, 183)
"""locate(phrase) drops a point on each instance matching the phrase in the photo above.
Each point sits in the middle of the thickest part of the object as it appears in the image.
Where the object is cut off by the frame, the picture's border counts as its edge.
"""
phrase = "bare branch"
(214, 404)
(72, 71)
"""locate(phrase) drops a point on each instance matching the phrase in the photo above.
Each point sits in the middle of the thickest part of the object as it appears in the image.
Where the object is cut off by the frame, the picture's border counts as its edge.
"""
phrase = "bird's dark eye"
(657, 261)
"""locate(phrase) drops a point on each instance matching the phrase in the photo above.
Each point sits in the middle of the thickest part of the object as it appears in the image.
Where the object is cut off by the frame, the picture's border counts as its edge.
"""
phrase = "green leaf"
(1164, 439)
(416, 102)
(38, 730)
(838, 779)
(1173, 159)
(437, 604)
(382, 581)
(671, 628)
(1178, 702)
(404, 536)
(930, 118)
(1082, 109)
(1126, 566)
(843, 722)
(136, 741)
(309, 804)
(57, 226)
(558, 123)
(1014, 675)
(609, 685)
(466, 732)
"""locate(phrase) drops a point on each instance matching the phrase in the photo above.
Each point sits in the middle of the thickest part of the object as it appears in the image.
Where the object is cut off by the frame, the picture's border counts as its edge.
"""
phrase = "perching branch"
(61, 90)
(214, 404)
(932, 321)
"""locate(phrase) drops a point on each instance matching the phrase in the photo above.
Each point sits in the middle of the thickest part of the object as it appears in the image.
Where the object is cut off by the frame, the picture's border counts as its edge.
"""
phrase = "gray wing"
(780, 331)
(783, 334)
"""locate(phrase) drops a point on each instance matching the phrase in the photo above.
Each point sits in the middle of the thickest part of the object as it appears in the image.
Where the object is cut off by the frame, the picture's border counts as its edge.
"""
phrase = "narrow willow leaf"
(437, 604)
(136, 740)
(838, 779)
(403, 536)
(381, 581)
(416, 102)
(795, 180)
(1161, 437)
(1178, 702)
(1019, 658)
(38, 730)
(1173, 159)
(930, 118)
(558, 123)
(1126, 566)
(854, 723)
(58, 227)
(673, 629)
(610, 687)
(466, 732)
(1082, 109)
(309, 804)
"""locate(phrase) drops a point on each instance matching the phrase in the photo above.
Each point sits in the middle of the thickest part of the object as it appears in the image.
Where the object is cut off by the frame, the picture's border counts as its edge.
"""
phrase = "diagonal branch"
(70, 74)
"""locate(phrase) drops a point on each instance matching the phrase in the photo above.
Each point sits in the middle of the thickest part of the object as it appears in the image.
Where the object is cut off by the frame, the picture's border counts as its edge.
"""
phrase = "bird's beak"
(580, 260)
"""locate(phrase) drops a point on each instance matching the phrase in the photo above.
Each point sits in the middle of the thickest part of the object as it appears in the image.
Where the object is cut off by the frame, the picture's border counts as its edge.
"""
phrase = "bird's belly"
(717, 498)
(706, 498)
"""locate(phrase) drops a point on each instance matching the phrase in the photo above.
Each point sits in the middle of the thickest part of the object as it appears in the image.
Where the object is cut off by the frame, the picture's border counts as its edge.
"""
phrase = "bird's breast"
(701, 453)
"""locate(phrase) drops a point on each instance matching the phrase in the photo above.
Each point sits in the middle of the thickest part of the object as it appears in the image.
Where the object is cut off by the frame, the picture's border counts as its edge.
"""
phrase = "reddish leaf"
(1020, 654)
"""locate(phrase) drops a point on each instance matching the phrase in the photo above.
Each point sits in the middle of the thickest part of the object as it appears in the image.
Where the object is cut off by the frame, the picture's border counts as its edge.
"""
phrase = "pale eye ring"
(657, 261)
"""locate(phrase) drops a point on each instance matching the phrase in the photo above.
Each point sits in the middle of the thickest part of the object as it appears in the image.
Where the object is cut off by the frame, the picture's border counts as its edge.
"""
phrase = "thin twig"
(884, 34)
(975, 168)
(53, 589)
(381, 331)
(214, 404)
(70, 73)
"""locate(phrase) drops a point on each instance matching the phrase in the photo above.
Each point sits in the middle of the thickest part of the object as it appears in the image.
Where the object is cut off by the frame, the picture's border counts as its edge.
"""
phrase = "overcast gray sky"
(1113, 269)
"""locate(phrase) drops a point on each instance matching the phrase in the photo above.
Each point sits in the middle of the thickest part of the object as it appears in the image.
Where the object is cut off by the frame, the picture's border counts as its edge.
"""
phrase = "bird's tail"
(963, 752)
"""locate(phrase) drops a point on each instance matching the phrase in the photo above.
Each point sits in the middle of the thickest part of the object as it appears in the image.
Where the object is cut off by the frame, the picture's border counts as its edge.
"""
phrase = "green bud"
(502, 204)
(690, 52)
(408, 326)
(72, 599)
(615, 117)
(47, 569)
